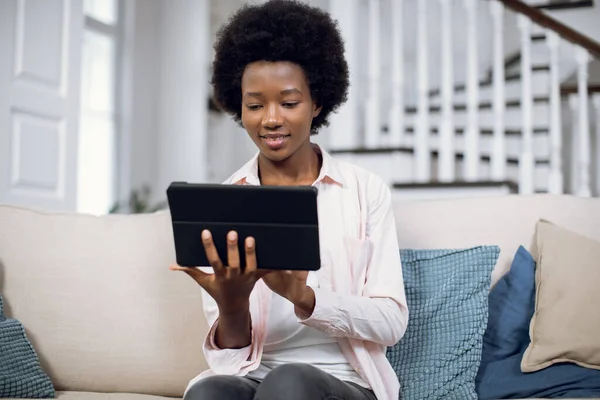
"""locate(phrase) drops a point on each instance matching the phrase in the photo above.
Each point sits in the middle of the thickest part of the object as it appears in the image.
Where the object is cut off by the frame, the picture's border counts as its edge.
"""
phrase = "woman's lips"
(275, 141)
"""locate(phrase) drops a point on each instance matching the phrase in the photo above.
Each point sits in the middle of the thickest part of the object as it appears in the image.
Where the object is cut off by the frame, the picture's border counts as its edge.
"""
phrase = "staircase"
(494, 125)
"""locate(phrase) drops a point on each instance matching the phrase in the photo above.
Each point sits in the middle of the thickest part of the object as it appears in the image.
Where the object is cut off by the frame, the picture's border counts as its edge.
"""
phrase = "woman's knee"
(292, 381)
(221, 387)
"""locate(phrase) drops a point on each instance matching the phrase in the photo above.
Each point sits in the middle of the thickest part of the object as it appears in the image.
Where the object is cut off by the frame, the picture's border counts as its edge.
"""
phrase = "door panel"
(40, 47)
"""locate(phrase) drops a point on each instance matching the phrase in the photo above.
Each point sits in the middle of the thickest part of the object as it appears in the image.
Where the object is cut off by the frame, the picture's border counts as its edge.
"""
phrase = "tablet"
(282, 219)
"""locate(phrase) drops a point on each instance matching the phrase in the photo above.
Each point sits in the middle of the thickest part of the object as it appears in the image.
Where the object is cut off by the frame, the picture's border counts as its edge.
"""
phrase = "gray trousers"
(288, 382)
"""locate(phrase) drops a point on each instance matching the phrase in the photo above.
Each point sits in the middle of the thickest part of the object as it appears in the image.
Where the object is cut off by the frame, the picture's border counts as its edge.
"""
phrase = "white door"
(40, 47)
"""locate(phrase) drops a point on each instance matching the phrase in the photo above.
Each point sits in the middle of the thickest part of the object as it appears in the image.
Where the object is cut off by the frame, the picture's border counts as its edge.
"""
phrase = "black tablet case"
(282, 219)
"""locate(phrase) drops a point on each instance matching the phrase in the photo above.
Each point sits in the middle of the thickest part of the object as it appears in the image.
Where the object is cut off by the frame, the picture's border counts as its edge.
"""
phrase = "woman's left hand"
(292, 286)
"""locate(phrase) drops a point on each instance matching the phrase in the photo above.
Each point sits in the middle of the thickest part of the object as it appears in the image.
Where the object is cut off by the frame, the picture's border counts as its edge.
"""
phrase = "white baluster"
(396, 116)
(422, 153)
(499, 140)
(446, 164)
(574, 139)
(583, 183)
(526, 160)
(556, 175)
(343, 131)
(372, 119)
(596, 103)
(472, 156)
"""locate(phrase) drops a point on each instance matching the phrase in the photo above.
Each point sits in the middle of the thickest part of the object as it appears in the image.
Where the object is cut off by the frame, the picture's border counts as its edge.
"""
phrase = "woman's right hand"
(230, 286)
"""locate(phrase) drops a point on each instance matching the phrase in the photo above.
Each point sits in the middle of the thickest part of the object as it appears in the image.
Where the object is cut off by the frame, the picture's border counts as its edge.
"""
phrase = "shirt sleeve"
(224, 361)
(380, 313)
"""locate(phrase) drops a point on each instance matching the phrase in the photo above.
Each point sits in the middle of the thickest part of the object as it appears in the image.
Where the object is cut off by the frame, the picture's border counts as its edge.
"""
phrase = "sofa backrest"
(105, 314)
(507, 221)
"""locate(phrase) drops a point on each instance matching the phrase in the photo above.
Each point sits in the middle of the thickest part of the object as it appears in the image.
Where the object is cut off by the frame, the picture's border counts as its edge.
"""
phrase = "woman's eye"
(290, 105)
(253, 107)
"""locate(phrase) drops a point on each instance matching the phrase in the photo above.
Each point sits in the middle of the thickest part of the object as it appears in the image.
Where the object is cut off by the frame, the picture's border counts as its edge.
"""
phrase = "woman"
(280, 70)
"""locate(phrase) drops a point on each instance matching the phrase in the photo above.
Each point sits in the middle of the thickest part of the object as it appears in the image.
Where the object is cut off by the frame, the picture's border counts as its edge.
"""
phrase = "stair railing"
(585, 49)
(371, 120)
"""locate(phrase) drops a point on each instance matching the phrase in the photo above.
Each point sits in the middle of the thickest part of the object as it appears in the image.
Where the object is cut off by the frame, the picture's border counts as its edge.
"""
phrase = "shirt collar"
(330, 171)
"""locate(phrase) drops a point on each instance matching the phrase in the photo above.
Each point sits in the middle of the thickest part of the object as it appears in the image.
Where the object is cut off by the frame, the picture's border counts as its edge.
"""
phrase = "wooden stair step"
(540, 37)
(515, 58)
(488, 81)
(482, 106)
(457, 188)
(485, 132)
(459, 155)
(513, 186)
(567, 90)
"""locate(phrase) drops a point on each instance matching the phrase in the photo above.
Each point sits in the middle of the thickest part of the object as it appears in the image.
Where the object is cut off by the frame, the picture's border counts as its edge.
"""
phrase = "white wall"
(169, 80)
(143, 151)
(183, 91)
(218, 145)
(229, 146)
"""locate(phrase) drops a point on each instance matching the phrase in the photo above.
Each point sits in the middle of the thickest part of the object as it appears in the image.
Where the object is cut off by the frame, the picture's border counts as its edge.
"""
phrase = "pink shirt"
(360, 298)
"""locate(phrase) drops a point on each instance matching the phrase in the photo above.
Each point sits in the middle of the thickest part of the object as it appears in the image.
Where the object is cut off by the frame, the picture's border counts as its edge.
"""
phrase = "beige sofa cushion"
(566, 324)
(98, 301)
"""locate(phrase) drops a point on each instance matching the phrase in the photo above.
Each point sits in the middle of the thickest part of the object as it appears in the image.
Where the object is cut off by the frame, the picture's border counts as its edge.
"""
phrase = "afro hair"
(281, 30)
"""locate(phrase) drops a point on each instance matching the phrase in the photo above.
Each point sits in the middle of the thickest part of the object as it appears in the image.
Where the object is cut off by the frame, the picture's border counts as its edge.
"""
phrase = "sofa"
(109, 320)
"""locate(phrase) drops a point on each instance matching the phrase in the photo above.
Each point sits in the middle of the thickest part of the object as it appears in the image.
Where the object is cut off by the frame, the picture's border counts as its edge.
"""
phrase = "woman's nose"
(272, 117)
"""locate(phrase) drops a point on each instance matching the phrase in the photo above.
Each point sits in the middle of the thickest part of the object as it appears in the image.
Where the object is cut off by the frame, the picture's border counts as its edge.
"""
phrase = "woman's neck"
(301, 169)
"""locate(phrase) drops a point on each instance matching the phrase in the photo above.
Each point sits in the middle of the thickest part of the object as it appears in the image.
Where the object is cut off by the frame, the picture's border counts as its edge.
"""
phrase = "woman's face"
(277, 108)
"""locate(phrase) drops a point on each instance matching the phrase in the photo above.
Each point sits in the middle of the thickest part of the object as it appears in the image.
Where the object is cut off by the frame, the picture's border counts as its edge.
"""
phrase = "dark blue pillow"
(511, 306)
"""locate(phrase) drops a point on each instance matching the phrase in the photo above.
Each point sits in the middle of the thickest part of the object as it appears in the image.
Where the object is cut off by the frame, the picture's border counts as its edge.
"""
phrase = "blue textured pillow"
(511, 306)
(447, 295)
(21, 375)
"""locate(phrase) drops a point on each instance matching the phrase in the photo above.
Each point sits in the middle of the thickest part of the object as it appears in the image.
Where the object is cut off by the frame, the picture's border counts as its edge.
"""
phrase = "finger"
(176, 267)
(211, 252)
(233, 253)
(250, 250)
(199, 276)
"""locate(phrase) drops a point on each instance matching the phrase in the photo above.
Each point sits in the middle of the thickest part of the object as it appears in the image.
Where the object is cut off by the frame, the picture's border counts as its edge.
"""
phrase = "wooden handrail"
(568, 4)
(543, 19)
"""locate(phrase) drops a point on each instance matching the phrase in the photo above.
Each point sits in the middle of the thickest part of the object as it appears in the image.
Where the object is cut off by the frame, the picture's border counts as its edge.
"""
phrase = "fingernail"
(232, 236)
(206, 234)
(250, 242)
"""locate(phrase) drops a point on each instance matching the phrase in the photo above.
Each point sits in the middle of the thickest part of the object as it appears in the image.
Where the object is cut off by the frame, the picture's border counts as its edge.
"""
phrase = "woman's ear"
(316, 111)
